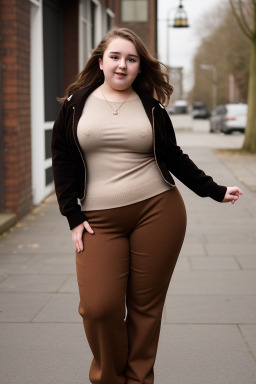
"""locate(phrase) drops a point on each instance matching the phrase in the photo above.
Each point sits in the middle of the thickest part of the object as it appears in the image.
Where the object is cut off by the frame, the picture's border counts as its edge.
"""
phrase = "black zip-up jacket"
(69, 167)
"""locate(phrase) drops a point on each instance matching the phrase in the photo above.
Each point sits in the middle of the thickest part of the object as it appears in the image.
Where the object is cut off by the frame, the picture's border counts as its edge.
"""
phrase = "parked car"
(229, 118)
(179, 107)
(200, 110)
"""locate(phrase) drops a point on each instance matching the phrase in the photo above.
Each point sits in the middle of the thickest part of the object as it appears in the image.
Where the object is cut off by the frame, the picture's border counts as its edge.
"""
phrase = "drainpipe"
(1, 145)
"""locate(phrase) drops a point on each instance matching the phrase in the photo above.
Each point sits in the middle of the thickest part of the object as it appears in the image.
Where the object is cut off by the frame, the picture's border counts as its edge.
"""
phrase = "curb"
(7, 220)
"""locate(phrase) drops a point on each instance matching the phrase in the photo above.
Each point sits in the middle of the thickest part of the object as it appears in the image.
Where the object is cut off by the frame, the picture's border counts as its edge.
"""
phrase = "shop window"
(47, 143)
(93, 19)
(89, 28)
(48, 176)
(52, 35)
(110, 19)
(134, 10)
(35, 2)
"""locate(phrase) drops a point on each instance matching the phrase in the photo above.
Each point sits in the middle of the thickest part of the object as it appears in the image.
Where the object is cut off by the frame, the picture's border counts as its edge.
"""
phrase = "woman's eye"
(114, 57)
(131, 60)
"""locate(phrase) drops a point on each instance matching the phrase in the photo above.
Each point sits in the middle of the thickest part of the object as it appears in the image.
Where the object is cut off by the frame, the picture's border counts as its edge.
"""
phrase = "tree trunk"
(250, 133)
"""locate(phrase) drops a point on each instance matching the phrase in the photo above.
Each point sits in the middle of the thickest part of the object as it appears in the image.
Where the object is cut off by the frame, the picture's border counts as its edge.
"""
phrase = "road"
(195, 132)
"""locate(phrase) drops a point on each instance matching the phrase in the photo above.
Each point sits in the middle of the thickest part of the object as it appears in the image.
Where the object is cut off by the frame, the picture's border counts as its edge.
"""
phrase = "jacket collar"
(80, 96)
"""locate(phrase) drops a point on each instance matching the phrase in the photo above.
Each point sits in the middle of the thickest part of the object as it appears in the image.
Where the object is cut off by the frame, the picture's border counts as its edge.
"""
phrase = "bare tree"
(224, 46)
(245, 14)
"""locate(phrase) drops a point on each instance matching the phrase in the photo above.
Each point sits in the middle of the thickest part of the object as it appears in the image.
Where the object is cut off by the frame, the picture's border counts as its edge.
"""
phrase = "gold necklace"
(115, 111)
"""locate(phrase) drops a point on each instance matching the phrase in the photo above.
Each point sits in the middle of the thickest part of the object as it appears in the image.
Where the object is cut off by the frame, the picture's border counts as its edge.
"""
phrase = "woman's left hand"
(232, 195)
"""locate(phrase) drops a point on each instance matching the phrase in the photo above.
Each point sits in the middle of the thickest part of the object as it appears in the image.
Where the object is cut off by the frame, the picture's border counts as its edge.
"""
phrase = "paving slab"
(60, 308)
(194, 238)
(44, 354)
(222, 238)
(42, 269)
(210, 309)
(215, 212)
(2, 275)
(249, 334)
(45, 247)
(246, 262)
(231, 249)
(209, 263)
(6, 258)
(70, 285)
(212, 354)
(32, 283)
(241, 165)
(66, 258)
(183, 264)
(229, 229)
(19, 308)
(192, 249)
(213, 282)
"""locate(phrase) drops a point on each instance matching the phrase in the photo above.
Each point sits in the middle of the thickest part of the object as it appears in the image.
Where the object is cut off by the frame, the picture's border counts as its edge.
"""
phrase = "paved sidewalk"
(209, 322)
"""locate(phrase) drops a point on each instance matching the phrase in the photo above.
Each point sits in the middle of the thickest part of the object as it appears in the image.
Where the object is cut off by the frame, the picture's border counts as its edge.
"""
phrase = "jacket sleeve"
(64, 172)
(182, 167)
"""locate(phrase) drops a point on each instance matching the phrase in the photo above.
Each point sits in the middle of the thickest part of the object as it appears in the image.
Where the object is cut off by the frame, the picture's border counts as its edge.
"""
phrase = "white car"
(179, 107)
(229, 118)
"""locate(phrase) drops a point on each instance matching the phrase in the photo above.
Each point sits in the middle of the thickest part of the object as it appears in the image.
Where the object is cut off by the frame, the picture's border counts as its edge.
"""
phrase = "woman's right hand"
(77, 235)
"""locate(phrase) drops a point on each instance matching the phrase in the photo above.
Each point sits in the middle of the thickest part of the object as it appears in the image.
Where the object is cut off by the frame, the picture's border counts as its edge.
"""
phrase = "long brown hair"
(153, 78)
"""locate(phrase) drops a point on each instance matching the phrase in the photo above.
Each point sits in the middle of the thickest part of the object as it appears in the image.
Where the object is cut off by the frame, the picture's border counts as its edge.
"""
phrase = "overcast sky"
(183, 41)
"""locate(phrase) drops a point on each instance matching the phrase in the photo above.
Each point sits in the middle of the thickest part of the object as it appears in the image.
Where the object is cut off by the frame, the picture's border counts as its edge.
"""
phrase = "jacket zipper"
(73, 131)
(154, 141)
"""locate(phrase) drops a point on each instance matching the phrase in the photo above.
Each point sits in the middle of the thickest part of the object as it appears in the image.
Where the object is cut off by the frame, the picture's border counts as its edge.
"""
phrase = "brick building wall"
(16, 135)
(21, 182)
(146, 30)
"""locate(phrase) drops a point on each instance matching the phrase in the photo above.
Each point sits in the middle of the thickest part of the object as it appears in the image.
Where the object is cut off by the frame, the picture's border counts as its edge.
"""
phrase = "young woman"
(113, 148)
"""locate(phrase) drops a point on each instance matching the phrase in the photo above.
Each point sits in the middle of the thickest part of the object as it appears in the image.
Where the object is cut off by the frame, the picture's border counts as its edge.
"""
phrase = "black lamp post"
(180, 21)
(180, 18)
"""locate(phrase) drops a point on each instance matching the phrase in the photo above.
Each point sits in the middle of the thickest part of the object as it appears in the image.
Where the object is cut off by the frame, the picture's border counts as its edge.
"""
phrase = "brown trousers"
(123, 276)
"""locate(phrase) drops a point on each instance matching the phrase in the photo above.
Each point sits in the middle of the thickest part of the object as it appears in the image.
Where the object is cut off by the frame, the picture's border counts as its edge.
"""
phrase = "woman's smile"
(120, 75)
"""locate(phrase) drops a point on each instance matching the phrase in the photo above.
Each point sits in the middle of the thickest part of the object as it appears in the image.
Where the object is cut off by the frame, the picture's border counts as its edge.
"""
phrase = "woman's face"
(120, 64)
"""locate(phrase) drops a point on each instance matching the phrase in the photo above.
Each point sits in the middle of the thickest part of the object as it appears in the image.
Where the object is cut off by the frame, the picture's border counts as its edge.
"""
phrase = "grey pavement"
(209, 322)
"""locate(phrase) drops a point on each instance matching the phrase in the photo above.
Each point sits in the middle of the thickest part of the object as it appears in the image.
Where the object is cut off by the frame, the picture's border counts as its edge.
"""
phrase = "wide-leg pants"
(123, 275)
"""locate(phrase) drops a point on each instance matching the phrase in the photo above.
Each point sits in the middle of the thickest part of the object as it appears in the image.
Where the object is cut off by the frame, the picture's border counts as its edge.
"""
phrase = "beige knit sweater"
(118, 150)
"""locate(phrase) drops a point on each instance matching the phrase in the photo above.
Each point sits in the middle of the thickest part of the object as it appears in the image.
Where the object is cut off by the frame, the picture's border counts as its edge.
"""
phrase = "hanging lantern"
(180, 18)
